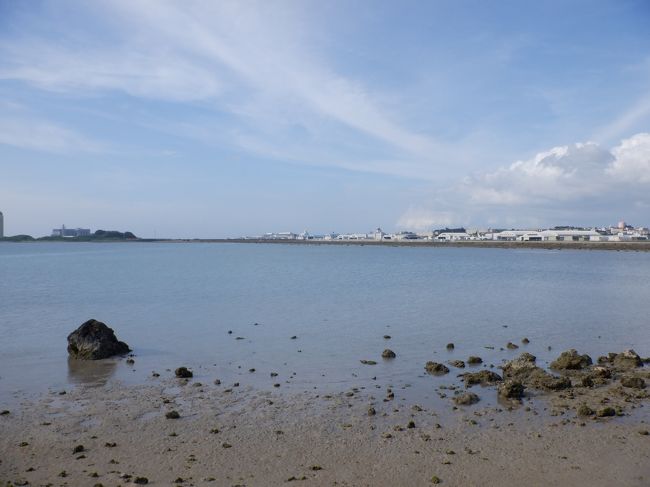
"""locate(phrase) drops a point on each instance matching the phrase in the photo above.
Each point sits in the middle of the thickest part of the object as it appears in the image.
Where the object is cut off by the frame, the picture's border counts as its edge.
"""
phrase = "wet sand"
(238, 435)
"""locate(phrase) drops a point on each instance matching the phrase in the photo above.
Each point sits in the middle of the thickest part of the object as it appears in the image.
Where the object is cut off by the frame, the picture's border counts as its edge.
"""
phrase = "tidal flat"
(582, 424)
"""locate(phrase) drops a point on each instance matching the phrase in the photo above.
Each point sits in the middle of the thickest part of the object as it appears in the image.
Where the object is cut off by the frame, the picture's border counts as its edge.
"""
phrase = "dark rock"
(483, 377)
(525, 341)
(633, 382)
(183, 373)
(93, 341)
(512, 346)
(141, 480)
(457, 363)
(571, 360)
(368, 362)
(388, 354)
(411, 424)
(511, 389)
(4, 413)
(435, 368)
(473, 360)
(172, 415)
(450, 346)
(78, 449)
(371, 411)
(466, 399)
(386, 337)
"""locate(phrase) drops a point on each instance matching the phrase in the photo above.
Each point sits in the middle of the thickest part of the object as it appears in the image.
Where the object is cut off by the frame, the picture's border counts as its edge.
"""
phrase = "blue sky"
(214, 119)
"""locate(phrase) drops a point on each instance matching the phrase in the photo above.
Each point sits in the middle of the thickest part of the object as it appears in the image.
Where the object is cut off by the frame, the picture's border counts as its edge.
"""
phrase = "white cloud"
(632, 160)
(559, 174)
(553, 187)
(44, 136)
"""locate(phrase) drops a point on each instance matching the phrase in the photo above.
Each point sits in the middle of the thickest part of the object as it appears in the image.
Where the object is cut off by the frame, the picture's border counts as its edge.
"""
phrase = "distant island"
(98, 236)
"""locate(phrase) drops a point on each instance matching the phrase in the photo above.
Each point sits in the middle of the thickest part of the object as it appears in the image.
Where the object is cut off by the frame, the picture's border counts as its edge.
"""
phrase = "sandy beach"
(230, 434)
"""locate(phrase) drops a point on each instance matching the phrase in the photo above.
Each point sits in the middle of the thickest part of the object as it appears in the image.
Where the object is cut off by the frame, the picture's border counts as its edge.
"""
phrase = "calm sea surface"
(174, 304)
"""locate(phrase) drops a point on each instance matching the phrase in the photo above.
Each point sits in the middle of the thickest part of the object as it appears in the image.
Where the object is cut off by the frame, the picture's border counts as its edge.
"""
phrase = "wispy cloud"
(228, 56)
(36, 134)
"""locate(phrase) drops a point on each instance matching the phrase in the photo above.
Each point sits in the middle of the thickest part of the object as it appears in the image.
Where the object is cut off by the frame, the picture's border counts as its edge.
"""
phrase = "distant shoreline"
(548, 245)
(638, 246)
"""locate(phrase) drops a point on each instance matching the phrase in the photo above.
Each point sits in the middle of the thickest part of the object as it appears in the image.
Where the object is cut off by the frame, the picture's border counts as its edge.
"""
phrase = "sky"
(203, 119)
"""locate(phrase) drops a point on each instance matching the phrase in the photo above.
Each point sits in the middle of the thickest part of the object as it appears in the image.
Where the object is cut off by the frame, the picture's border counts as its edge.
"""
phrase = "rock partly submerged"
(93, 340)
(484, 377)
(523, 370)
(435, 368)
(624, 360)
(571, 360)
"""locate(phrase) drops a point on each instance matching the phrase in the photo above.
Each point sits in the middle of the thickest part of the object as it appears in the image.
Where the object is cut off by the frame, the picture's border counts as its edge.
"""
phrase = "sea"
(309, 313)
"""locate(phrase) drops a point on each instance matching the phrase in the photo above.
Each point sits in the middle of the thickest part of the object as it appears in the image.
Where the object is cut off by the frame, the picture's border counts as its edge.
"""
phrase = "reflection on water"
(91, 372)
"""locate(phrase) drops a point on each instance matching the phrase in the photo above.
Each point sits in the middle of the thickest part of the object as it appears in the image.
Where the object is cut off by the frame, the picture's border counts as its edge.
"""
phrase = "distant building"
(70, 232)
(2, 225)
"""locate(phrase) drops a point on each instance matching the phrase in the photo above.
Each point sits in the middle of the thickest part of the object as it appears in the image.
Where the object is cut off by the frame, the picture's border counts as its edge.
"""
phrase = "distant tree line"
(99, 235)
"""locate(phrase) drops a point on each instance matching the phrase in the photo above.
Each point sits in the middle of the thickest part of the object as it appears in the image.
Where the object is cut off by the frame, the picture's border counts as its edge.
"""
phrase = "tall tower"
(2, 226)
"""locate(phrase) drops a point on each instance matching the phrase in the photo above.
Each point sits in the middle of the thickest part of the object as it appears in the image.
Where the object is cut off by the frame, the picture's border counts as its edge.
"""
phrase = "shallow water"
(174, 304)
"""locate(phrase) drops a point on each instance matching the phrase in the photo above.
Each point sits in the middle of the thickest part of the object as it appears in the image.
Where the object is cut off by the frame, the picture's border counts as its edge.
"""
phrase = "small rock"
(512, 346)
(633, 382)
(435, 480)
(388, 353)
(511, 389)
(466, 399)
(141, 480)
(643, 432)
(371, 411)
(4, 413)
(606, 411)
(78, 449)
(571, 360)
(457, 363)
(411, 424)
(525, 341)
(584, 410)
(435, 368)
(368, 362)
(183, 373)
(226, 445)
(473, 360)
(172, 415)
(387, 337)
(626, 360)
(483, 377)
(450, 346)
